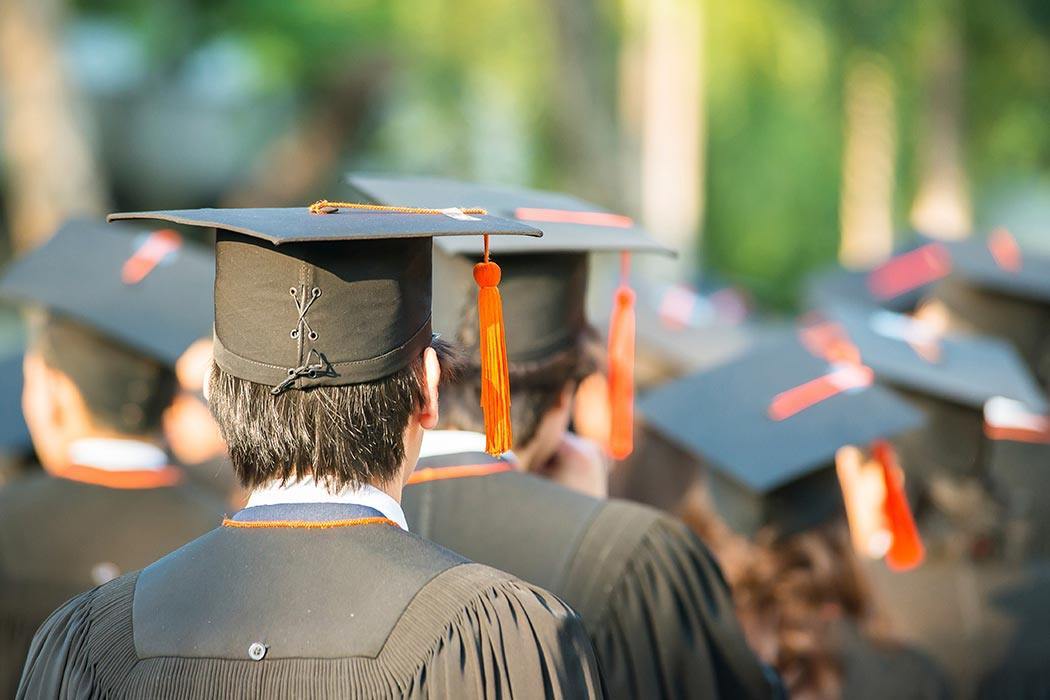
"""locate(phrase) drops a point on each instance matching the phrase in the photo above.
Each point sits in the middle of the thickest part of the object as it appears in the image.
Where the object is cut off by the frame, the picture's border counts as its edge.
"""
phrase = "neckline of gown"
(464, 465)
(309, 516)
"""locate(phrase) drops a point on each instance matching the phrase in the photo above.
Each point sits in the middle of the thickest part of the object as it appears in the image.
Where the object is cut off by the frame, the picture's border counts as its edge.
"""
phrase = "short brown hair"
(534, 386)
(341, 435)
(123, 389)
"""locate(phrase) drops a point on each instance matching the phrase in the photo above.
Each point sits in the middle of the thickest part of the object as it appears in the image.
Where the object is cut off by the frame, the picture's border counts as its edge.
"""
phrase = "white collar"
(450, 442)
(307, 490)
(117, 455)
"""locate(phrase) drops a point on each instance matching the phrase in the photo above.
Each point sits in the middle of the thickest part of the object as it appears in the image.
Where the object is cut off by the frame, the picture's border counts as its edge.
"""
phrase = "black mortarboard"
(996, 288)
(767, 427)
(150, 291)
(570, 225)
(950, 377)
(544, 281)
(998, 263)
(898, 284)
(325, 295)
(961, 369)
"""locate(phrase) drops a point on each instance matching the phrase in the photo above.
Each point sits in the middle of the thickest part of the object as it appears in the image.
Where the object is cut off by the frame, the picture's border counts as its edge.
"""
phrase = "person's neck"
(393, 488)
(528, 457)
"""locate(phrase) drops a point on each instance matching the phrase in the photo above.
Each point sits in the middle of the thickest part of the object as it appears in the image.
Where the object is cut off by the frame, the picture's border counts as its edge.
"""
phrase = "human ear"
(429, 415)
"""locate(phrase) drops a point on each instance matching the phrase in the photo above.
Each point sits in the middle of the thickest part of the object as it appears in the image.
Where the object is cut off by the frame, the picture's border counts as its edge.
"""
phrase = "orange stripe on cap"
(909, 271)
(797, 399)
(906, 549)
(157, 246)
(566, 216)
(466, 471)
(306, 524)
(1006, 419)
(130, 479)
(1004, 249)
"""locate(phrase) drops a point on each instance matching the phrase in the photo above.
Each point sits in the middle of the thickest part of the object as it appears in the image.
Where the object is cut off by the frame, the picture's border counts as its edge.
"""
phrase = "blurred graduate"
(110, 311)
(780, 460)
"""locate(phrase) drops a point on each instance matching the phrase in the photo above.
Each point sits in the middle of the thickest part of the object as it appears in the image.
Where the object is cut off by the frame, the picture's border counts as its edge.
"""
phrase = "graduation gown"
(654, 602)
(876, 670)
(60, 536)
(986, 622)
(315, 603)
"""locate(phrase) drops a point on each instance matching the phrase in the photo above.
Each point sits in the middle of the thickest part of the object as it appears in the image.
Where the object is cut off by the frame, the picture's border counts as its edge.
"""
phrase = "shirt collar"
(117, 455)
(450, 442)
(306, 490)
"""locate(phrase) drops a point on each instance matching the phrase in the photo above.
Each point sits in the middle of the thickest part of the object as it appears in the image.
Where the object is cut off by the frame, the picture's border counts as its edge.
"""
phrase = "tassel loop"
(621, 366)
(495, 380)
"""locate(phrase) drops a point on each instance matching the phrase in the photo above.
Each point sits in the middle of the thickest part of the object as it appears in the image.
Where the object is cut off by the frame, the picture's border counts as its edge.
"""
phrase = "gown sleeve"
(51, 669)
(669, 627)
(513, 641)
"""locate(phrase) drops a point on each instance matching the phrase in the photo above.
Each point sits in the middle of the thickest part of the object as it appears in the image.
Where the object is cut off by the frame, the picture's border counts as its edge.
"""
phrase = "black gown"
(876, 670)
(986, 622)
(59, 537)
(654, 601)
(315, 606)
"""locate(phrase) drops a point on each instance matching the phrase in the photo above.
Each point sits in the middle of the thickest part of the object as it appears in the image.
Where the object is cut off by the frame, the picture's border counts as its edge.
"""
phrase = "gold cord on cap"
(323, 206)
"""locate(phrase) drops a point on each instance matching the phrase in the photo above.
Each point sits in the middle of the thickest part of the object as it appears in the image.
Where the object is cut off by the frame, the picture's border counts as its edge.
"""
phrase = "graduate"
(654, 601)
(98, 377)
(326, 374)
(779, 459)
(975, 604)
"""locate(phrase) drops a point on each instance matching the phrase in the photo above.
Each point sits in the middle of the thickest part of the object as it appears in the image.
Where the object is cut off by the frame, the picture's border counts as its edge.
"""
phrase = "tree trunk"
(942, 205)
(868, 162)
(51, 173)
(584, 116)
(672, 143)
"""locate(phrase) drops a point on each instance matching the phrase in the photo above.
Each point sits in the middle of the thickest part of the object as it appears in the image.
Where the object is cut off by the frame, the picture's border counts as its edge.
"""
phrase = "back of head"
(536, 384)
(124, 391)
(344, 435)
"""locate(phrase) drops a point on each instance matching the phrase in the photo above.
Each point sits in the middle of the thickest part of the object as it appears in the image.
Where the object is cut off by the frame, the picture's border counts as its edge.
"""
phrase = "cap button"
(256, 651)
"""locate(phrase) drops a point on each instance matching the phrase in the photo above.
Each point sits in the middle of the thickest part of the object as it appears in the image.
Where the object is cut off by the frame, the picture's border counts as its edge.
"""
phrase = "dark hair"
(122, 389)
(790, 593)
(534, 386)
(341, 435)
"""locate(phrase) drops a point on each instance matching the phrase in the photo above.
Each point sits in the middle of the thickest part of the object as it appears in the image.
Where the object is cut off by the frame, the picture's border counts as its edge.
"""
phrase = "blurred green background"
(765, 137)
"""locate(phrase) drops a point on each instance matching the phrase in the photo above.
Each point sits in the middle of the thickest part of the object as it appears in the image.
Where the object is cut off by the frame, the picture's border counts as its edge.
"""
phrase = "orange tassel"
(621, 367)
(495, 382)
(906, 551)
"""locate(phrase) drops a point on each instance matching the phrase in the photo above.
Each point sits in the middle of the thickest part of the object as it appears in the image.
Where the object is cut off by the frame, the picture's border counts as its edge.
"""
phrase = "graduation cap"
(998, 288)
(768, 426)
(339, 293)
(545, 280)
(950, 376)
(910, 354)
(898, 284)
(148, 290)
